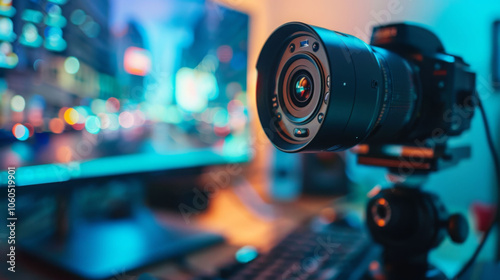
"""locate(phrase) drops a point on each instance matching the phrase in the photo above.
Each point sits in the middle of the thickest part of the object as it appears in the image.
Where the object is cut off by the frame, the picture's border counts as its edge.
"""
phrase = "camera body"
(322, 90)
(446, 83)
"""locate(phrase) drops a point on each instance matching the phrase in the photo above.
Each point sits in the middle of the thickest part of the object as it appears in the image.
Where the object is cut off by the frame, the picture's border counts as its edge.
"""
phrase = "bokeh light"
(64, 154)
(221, 117)
(56, 125)
(139, 118)
(225, 53)
(71, 116)
(30, 128)
(93, 125)
(71, 65)
(112, 105)
(17, 103)
(98, 106)
(113, 122)
(78, 126)
(104, 120)
(77, 17)
(35, 117)
(37, 64)
(20, 131)
(126, 119)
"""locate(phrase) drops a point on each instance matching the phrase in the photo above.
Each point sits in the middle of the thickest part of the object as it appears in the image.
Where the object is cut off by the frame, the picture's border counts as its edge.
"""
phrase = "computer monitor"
(100, 88)
(94, 89)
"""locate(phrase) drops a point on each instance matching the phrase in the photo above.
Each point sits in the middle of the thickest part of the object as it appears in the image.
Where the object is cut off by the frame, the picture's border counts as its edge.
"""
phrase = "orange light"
(392, 163)
(56, 125)
(381, 223)
(71, 116)
(137, 61)
(64, 154)
(382, 201)
(374, 265)
(328, 215)
(360, 149)
(61, 112)
(417, 152)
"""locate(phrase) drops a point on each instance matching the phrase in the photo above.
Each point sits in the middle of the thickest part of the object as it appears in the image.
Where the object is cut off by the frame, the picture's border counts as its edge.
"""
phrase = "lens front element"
(302, 87)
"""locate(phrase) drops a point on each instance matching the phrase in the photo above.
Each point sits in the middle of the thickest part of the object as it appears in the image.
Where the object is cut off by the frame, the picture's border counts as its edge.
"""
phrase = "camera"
(323, 90)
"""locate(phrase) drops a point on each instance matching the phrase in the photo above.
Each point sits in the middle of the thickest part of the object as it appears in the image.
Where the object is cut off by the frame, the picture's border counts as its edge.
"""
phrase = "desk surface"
(244, 219)
(237, 213)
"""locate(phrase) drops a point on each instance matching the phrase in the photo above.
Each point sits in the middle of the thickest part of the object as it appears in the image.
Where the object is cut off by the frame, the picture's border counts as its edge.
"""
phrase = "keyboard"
(330, 252)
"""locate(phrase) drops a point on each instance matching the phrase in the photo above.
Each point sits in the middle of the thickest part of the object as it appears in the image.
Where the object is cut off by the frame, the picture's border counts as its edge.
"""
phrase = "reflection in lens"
(302, 89)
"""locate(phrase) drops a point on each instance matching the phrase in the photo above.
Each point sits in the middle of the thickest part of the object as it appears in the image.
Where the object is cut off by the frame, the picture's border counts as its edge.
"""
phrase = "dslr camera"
(323, 90)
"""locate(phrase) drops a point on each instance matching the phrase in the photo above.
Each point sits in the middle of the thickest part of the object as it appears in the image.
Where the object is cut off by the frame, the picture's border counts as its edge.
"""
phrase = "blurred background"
(110, 109)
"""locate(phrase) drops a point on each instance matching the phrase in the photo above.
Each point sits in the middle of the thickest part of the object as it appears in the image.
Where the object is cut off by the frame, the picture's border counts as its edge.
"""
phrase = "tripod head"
(405, 220)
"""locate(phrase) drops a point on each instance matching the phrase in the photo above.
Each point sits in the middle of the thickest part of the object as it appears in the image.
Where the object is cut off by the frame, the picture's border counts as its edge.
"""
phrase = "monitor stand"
(107, 248)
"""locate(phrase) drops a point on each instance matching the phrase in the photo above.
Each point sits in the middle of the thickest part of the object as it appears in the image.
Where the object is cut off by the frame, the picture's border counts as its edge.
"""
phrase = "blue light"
(246, 254)
(93, 124)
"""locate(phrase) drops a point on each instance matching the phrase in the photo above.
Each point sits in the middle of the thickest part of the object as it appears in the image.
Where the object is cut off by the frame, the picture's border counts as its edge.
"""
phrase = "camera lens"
(301, 87)
(332, 91)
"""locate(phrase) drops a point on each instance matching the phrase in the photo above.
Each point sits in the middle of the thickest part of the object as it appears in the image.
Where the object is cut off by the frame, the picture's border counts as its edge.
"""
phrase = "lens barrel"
(320, 90)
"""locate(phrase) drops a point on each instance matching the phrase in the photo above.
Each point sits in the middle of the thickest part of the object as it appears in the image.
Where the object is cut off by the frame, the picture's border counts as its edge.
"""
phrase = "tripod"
(405, 220)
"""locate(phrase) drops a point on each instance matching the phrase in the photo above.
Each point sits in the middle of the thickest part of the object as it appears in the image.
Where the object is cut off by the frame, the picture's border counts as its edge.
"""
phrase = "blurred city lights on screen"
(54, 16)
(126, 119)
(112, 105)
(6, 8)
(37, 64)
(7, 29)
(20, 131)
(61, 112)
(113, 122)
(71, 116)
(32, 16)
(59, 2)
(171, 114)
(239, 61)
(93, 125)
(104, 120)
(30, 128)
(17, 103)
(78, 17)
(35, 116)
(139, 118)
(210, 63)
(221, 117)
(54, 39)
(246, 254)
(98, 106)
(30, 36)
(78, 126)
(36, 102)
(225, 53)
(194, 89)
(64, 154)
(137, 61)
(56, 125)
(91, 28)
(71, 65)
(5, 3)
(8, 59)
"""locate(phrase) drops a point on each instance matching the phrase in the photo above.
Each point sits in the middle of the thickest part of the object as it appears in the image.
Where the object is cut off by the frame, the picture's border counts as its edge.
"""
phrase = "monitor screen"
(98, 88)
